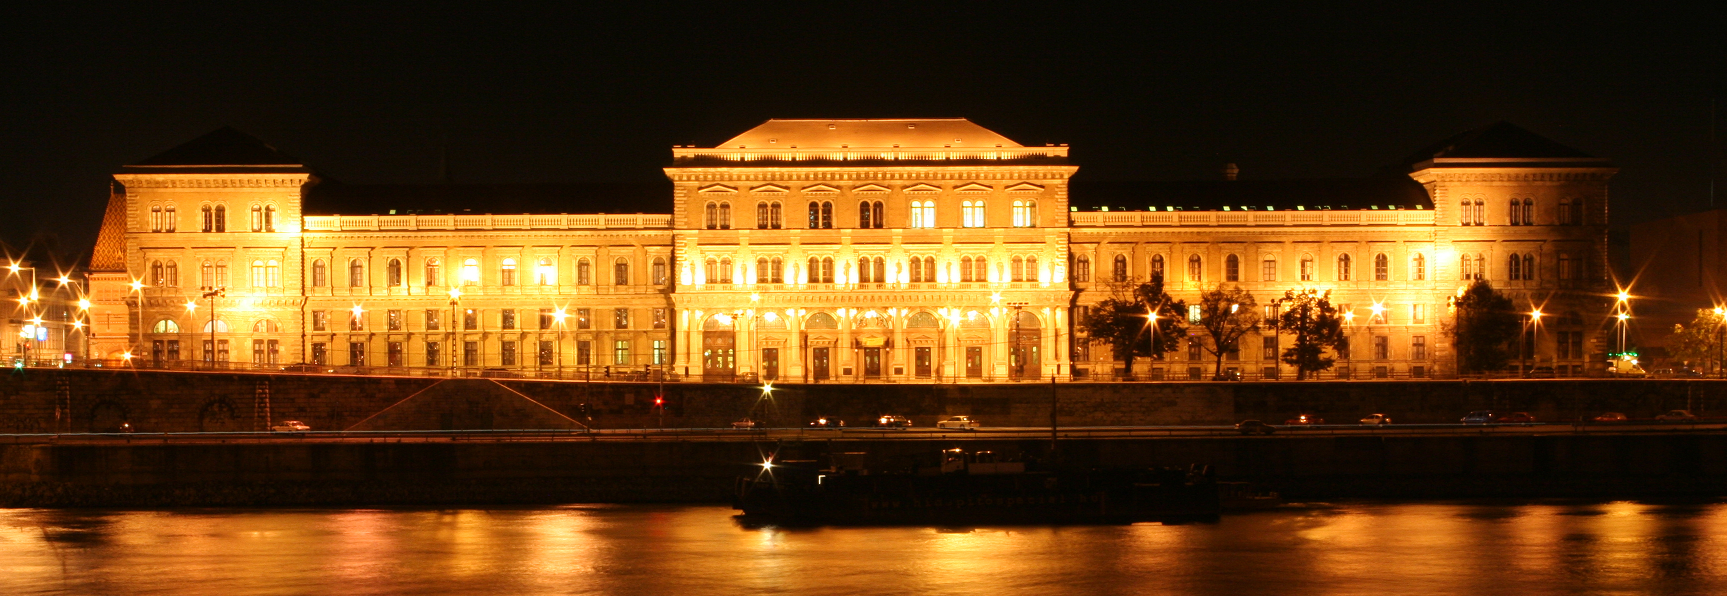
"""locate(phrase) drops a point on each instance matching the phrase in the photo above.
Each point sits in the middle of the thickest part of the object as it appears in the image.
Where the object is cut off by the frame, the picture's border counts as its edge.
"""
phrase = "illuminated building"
(847, 250)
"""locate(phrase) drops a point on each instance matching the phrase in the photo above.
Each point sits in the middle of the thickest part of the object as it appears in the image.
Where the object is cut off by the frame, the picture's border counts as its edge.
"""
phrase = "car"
(291, 426)
(1677, 416)
(959, 422)
(1480, 417)
(1539, 372)
(1676, 373)
(1228, 375)
(1254, 427)
(499, 373)
(1376, 419)
(304, 368)
(1517, 418)
(1304, 420)
(892, 421)
(1611, 417)
(826, 422)
(746, 424)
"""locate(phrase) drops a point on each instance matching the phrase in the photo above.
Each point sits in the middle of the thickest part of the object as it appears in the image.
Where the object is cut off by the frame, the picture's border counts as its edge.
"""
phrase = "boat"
(978, 487)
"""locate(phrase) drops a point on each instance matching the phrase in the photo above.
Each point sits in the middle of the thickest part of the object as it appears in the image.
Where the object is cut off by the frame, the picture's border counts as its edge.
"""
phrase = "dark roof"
(331, 197)
(1385, 191)
(1500, 139)
(222, 147)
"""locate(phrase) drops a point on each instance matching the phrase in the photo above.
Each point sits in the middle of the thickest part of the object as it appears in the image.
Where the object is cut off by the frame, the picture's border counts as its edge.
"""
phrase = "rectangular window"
(1418, 347)
(584, 318)
(357, 321)
(507, 318)
(546, 318)
(660, 353)
(356, 353)
(1418, 314)
(470, 319)
(973, 213)
(395, 354)
(1193, 313)
(659, 318)
(319, 352)
(507, 355)
(1268, 270)
(432, 319)
(1193, 349)
(470, 353)
(257, 350)
(548, 353)
(621, 352)
(584, 353)
(320, 320)
(921, 362)
(393, 319)
(432, 353)
(1381, 347)
(621, 318)
(1268, 347)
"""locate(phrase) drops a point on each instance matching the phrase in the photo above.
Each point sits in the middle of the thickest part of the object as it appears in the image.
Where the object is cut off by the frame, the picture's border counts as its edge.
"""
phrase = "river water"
(1345, 548)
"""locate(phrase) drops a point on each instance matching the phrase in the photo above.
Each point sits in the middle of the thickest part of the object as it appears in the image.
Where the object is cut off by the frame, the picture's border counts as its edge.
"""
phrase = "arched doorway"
(1024, 340)
(719, 349)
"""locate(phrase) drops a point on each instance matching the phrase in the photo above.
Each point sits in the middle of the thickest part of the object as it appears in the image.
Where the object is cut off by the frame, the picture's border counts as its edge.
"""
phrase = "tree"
(1699, 342)
(1226, 315)
(1484, 321)
(1310, 317)
(1121, 321)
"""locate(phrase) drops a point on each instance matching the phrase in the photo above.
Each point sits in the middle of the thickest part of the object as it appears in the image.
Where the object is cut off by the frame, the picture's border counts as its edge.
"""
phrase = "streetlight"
(455, 300)
(210, 352)
(558, 317)
(1720, 317)
(1623, 317)
(137, 286)
(1533, 327)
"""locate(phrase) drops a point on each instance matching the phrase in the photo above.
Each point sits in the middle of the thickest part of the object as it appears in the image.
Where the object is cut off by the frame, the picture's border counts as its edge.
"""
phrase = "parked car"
(1677, 416)
(826, 422)
(1254, 427)
(1611, 417)
(1539, 372)
(959, 422)
(1480, 417)
(499, 373)
(1376, 419)
(892, 421)
(1676, 373)
(305, 368)
(1625, 367)
(1304, 420)
(1517, 418)
(746, 424)
(1228, 375)
(291, 426)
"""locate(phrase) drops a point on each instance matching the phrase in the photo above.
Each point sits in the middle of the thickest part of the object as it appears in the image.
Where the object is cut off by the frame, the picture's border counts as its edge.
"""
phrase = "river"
(1343, 548)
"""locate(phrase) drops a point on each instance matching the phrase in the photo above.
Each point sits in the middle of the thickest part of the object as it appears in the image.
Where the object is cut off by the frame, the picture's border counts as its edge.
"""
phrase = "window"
(257, 218)
(1018, 269)
(546, 319)
(269, 218)
(158, 275)
(432, 319)
(660, 270)
(725, 215)
(356, 320)
(258, 280)
(1025, 214)
(583, 272)
(922, 270)
(320, 354)
(1118, 271)
(209, 223)
(155, 218)
(1268, 269)
(659, 318)
(1567, 266)
(1232, 268)
(711, 216)
(869, 214)
(621, 352)
(584, 318)
(434, 275)
(1193, 348)
(1193, 314)
(169, 220)
(221, 273)
(1418, 314)
(1306, 267)
(470, 353)
(660, 351)
(432, 349)
(470, 319)
(972, 212)
(1418, 347)
(871, 270)
(221, 218)
(1528, 267)
(320, 320)
(1031, 272)
(725, 270)
(621, 272)
(1343, 263)
(1418, 267)
(584, 352)
(1156, 266)
(821, 215)
(621, 318)
(470, 271)
(547, 353)
(507, 319)
(356, 273)
(1268, 348)
(166, 326)
(393, 272)
(1381, 267)
(507, 272)
(320, 273)
(1514, 266)
(1082, 269)
(821, 270)
(1466, 267)
(546, 272)
(1194, 268)
(923, 214)
(1381, 347)
(762, 216)
(507, 353)
(208, 277)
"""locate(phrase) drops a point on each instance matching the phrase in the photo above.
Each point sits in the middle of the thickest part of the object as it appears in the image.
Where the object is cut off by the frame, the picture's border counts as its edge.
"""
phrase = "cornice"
(883, 174)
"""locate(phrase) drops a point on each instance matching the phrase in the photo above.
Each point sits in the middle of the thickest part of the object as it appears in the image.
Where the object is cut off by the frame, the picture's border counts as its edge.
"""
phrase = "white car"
(959, 422)
(291, 426)
(1376, 419)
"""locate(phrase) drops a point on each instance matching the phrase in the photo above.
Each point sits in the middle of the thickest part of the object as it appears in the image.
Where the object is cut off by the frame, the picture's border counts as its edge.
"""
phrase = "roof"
(1384, 191)
(1498, 140)
(109, 253)
(221, 147)
(869, 133)
(330, 197)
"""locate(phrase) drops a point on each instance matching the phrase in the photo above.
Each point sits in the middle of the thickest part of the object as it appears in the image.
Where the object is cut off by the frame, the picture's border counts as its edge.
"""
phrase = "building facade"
(916, 250)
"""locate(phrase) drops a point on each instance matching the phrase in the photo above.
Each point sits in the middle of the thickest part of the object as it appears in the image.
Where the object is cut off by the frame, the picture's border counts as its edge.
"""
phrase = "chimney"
(1230, 171)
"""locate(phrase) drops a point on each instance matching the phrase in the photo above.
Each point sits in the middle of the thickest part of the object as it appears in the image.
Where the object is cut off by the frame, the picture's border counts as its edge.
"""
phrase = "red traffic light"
(659, 401)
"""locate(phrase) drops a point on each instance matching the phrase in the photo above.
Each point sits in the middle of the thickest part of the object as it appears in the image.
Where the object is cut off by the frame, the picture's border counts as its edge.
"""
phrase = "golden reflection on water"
(1341, 549)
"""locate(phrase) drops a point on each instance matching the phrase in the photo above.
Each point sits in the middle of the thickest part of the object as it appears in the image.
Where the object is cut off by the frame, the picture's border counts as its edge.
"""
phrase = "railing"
(865, 154)
(526, 221)
(1389, 217)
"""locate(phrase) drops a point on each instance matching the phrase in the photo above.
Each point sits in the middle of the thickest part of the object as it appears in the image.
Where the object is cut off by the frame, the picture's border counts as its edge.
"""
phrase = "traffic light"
(659, 402)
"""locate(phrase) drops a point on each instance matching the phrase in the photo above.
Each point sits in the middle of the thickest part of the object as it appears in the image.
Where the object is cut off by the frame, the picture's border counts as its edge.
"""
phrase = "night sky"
(584, 94)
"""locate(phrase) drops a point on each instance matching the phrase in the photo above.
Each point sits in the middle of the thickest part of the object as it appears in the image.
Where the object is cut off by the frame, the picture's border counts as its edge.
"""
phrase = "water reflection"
(1354, 548)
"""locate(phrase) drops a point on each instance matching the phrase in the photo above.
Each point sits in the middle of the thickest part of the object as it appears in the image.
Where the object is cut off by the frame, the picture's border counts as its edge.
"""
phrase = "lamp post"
(1534, 336)
(1720, 317)
(137, 288)
(1015, 351)
(211, 295)
(455, 300)
(1623, 317)
(558, 317)
(82, 323)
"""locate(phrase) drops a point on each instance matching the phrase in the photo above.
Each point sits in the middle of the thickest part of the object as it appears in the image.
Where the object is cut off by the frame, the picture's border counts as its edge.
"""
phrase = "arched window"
(660, 270)
(725, 270)
(172, 274)
(169, 219)
(972, 213)
(546, 272)
(393, 272)
(221, 326)
(1268, 268)
(1528, 267)
(1466, 268)
(257, 218)
(777, 271)
(155, 218)
(822, 320)
(221, 218)
(725, 215)
(711, 270)
(827, 270)
(165, 326)
(321, 274)
(915, 267)
(1418, 267)
(1082, 269)
(1118, 269)
(507, 272)
(1156, 267)
(1018, 269)
(1343, 267)
(434, 269)
(711, 215)
(1031, 269)
(762, 274)
(1195, 268)
(1480, 266)
(266, 326)
(208, 276)
(1025, 213)
(775, 216)
(221, 273)
(923, 214)
(1514, 267)
(814, 270)
(1567, 267)
(1231, 268)
(1516, 213)
(584, 272)
(921, 320)
(1381, 267)
(761, 215)
(470, 271)
(269, 218)
(980, 269)
(965, 270)
(621, 272)
(158, 275)
(1306, 267)
(870, 214)
(209, 222)
(356, 272)
(258, 273)
(273, 274)
(821, 215)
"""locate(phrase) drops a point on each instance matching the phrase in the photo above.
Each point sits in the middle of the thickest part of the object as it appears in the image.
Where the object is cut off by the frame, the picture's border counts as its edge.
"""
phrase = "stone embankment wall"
(46, 400)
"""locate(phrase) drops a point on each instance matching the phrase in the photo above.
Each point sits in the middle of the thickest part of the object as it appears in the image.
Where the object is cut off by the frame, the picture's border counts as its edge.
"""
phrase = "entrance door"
(872, 363)
(719, 355)
(1023, 341)
(819, 363)
(920, 363)
(158, 349)
(974, 362)
(770, 364)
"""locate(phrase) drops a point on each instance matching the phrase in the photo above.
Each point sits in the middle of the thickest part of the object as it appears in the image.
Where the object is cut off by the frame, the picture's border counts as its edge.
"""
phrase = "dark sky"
(599, 94)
